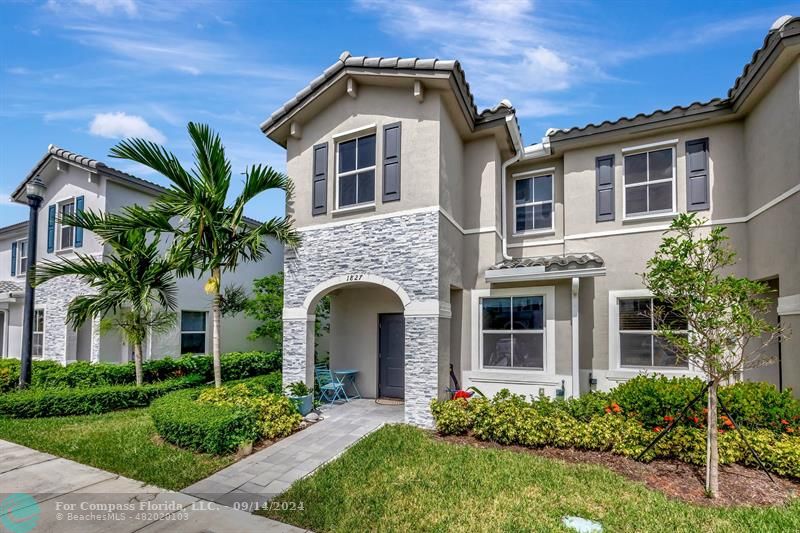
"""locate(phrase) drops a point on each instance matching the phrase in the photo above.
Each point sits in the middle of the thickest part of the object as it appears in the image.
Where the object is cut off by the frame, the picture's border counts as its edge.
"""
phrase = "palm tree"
(215, 234)
(134, 286)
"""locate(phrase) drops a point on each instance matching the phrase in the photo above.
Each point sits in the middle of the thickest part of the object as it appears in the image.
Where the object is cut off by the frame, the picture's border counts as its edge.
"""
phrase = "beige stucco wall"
(354, 331)
(419, 150)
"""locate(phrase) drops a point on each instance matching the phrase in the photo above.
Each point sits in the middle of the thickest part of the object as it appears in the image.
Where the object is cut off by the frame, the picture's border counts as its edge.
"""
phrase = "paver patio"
(56, 494)
(265, 474)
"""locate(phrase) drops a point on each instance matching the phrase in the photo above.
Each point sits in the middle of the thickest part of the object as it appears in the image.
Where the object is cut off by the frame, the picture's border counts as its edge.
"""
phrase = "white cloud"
(107, 7)
(121, 125)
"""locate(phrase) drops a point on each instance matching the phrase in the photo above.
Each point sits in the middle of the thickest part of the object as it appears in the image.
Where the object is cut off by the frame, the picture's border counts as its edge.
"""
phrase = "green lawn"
(400, 479)
(120, 442)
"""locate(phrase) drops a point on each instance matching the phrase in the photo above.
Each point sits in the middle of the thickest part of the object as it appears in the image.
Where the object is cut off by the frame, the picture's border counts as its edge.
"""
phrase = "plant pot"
(304, 404)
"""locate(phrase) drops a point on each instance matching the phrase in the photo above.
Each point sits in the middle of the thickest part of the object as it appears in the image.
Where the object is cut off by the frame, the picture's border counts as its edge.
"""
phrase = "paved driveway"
(43, 493)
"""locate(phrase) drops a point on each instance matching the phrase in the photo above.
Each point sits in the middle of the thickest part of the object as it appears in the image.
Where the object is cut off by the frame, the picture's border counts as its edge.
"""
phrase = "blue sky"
(82, 74)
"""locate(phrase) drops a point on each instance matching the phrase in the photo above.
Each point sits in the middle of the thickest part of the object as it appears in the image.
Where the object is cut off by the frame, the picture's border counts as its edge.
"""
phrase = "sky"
(83, 74)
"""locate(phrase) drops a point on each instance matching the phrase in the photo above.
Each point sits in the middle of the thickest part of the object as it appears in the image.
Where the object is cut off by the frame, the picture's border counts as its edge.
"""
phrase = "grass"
(400, 479)
(121, 442)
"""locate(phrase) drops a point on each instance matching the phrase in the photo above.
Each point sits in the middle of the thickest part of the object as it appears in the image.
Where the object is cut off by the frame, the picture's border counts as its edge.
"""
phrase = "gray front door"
(391, 355)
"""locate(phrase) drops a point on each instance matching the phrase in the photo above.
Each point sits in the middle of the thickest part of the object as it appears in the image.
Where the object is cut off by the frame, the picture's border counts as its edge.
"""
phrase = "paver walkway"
(267, 473)
(40, 492)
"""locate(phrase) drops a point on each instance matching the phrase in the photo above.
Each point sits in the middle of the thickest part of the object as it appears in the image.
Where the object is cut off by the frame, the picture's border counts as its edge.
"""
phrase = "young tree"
(725, 314)
(214, 233)
(134, 286)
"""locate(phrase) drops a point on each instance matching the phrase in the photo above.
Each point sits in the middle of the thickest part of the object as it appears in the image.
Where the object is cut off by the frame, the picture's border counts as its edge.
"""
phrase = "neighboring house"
(444, 240)
(75, 182)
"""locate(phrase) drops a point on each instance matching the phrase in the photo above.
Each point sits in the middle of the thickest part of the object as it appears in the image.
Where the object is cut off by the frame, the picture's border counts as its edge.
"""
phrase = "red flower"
(616, 408)
(789, 430)
(608, 409)
(784, 422)
(728, 422)
(705, 410)
(668, 418)
(696, 420)
(657, 429)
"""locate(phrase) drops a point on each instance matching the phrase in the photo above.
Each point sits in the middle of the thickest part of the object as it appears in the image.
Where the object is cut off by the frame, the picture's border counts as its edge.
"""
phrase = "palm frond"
(153, 156)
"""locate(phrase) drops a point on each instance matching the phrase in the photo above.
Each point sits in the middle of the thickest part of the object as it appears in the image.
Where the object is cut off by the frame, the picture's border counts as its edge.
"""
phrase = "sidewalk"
(265, 474)
(40, 492)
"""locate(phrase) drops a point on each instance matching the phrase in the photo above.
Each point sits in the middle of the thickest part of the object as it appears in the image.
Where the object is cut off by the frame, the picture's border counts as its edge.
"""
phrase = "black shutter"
(391, 162)
(319, 192)
(79, 230)
(604, 170)
(51, 228)
(13, 258)
(697, 193)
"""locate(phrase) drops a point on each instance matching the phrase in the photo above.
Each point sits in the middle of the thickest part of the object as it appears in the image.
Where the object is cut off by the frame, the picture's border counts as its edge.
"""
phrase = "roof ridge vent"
(780, 21)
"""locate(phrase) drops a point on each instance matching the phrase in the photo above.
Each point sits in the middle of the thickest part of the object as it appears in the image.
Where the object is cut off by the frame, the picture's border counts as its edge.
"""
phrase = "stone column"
(296, 331)
(422, 368)
(95, 351)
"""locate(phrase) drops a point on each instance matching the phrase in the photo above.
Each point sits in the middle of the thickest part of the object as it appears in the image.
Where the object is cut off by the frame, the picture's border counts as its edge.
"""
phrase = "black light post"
(35, 193)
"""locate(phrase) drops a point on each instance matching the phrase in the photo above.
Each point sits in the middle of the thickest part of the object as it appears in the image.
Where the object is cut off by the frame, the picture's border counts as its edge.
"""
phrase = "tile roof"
(553, 262)
(391, 64)
(10, 286)
(773, 37)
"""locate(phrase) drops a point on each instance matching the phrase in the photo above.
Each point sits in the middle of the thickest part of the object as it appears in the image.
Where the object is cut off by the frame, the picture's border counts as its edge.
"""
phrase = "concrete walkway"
(41, 493)
(265, 474)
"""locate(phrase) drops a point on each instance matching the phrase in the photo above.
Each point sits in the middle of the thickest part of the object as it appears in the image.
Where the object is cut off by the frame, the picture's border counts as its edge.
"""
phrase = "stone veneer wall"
(402, 250)
(54, 297)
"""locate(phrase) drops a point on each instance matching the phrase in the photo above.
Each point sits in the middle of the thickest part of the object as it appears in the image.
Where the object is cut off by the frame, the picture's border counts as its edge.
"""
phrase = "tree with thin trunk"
(689, 277)
(134, 286)
(214, 234)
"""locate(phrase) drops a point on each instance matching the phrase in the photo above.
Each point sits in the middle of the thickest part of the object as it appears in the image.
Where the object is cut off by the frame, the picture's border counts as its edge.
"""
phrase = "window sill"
(624, 374)
(65, 251)
(516, 375)
(654, 216)
(535, 233)
(354, 209)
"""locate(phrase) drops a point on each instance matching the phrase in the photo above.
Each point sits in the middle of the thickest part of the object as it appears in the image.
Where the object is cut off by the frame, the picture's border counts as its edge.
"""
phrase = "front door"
(391, 355)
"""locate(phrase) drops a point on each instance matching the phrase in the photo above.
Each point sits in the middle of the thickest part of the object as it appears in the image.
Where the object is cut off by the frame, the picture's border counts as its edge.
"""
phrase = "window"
(193, 332)
(512, 332)
(22, 257)
(649, 182)
(38, 333)
(639, 345)
(355, 172)
(533, 204)
(66, 233)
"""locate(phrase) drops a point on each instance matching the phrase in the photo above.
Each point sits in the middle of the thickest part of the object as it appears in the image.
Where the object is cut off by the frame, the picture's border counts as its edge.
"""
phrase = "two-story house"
(444, 240)
(74, 183)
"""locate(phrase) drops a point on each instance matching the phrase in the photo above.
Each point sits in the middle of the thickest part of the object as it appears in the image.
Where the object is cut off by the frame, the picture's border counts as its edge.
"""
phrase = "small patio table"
(348, 377)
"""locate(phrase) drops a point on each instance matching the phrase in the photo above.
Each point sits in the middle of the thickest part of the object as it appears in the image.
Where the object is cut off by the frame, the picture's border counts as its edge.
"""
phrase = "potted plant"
(302, 397)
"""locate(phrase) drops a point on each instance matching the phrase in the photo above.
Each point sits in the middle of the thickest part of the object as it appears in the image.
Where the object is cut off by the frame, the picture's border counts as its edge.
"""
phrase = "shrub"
(277, 414)
(453, 417)
(651, 398)
(51, 374)
(36, 403)
(206, 427)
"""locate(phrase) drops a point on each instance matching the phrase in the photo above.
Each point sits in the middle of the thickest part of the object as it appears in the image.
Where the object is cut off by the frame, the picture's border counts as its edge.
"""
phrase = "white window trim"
(549, 293)
(616, 370)
(18, 266)
(59, 225)
(193, 332)
(552, 202)
(354, 136)
(34, 332)
(655, 147)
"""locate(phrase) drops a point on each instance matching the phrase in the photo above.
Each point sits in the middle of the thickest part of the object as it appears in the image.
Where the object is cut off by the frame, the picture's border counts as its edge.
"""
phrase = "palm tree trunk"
(216, 326)
(137, 363)
(712, 447)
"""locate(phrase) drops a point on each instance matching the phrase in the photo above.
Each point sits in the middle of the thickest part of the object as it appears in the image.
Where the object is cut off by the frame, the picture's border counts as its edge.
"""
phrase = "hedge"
(511, 419)
(203, 427)
(36, 403)
(51, 374)
(219, 420)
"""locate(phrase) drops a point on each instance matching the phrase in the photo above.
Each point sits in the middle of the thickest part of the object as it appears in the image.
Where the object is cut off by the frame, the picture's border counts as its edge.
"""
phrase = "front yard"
(124, 442)
(401, 479)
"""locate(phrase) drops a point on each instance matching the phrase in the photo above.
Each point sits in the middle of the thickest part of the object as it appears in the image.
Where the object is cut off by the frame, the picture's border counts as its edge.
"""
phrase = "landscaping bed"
(403, 479)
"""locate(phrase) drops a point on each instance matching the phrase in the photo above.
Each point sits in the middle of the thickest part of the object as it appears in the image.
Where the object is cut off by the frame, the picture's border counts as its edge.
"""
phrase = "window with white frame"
(193, 332)
(639, 344)
(355, 171)
(66, 233)
(650, 182)
(512, 332)
(533, 203)
(37, 349)
(22, 257)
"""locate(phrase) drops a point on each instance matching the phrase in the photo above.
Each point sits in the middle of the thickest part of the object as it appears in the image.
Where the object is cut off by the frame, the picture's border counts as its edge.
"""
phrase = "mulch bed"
(738, 485)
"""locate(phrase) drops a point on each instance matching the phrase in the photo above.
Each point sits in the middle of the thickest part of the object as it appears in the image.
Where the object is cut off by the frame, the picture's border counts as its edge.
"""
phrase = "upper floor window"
(512, 332)
(355, 171)
(533, 204)
(650, 182)
(639, 344)
(66, 233)
(37, 349)
(22, 257)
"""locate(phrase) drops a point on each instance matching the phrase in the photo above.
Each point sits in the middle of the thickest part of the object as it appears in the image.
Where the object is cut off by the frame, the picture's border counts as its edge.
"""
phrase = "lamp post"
(34, 191)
